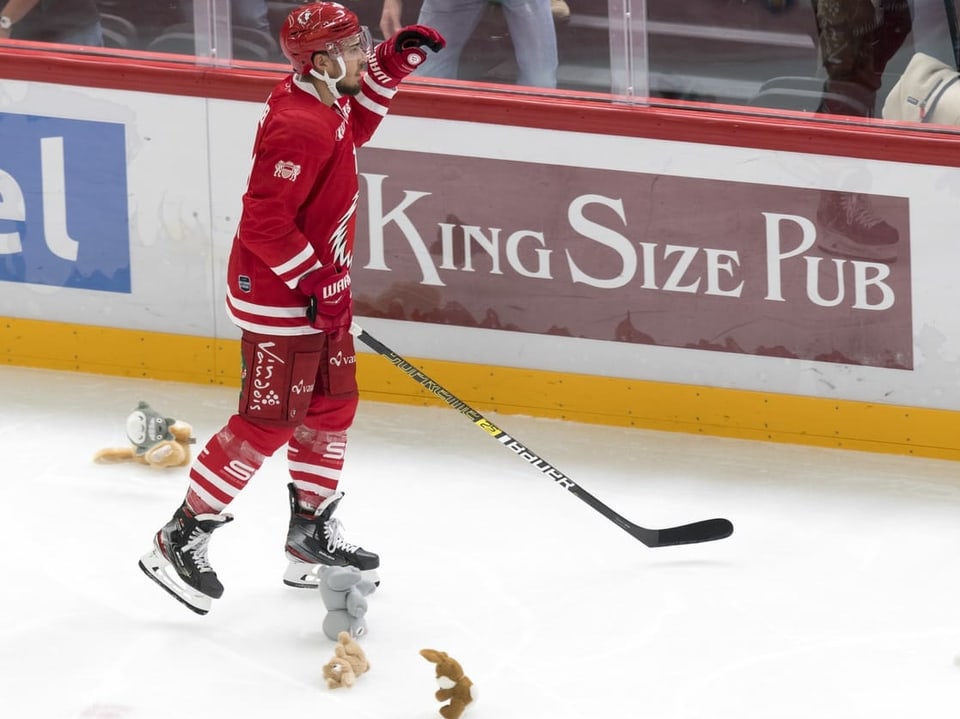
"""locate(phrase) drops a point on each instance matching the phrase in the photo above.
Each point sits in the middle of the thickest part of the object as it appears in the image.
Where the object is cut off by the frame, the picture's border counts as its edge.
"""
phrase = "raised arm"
(390, 17)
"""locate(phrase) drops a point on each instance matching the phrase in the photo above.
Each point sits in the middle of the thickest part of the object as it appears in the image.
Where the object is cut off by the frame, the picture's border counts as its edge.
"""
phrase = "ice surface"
(837, 596)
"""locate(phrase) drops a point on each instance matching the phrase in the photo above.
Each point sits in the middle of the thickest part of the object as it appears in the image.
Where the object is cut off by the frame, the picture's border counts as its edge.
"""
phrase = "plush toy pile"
(344, 592)
(155, 440)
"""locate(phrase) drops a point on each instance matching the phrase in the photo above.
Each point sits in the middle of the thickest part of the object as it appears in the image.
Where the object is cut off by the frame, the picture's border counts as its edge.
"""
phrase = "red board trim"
(502, 105)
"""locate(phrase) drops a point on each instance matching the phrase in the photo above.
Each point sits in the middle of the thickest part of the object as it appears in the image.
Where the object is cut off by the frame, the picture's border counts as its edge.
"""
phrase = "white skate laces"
(197, 545)
(315, 539)
(333, 531)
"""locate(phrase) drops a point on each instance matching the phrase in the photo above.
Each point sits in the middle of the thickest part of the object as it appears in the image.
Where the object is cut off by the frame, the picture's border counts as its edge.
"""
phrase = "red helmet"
(318, 27)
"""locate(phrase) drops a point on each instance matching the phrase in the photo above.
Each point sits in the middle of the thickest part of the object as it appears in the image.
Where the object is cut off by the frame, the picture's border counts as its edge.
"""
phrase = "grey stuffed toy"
(344, 592)
(155, 440)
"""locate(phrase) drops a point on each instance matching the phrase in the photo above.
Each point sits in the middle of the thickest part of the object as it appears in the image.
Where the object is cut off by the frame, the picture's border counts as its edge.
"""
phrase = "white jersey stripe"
(316, 470)
(264, 310)
(304, 329)
(387, 92)
(213, 478)
(371, 105)
(303, 256)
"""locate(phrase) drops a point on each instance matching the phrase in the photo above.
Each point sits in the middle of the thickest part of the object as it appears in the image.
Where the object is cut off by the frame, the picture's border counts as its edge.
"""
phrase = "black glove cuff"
(407, 39)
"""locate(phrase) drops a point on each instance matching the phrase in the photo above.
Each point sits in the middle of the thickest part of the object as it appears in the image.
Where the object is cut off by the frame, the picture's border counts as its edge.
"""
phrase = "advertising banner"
(735, 267)
(622, 257)
(63, 203)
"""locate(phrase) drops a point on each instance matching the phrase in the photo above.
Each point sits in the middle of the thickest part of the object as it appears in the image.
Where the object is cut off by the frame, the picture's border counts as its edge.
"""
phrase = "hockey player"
(531, 25)
(288, 290)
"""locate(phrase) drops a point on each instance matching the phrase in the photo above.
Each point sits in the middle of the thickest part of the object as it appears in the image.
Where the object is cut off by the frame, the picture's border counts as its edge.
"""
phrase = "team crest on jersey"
(286, 170)
(345, 113)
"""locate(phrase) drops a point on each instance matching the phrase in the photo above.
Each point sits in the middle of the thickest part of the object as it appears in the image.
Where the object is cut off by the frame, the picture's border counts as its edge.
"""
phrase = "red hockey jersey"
(300, 204)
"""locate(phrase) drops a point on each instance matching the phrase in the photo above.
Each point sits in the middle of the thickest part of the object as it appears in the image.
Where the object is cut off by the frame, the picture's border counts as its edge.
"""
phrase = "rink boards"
(615, 265)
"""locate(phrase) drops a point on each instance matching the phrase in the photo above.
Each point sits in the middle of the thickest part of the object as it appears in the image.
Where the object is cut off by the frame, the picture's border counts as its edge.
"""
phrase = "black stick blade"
(708, 530)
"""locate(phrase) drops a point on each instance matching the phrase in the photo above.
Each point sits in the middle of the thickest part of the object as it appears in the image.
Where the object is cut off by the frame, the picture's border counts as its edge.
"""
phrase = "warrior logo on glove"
(331, 304)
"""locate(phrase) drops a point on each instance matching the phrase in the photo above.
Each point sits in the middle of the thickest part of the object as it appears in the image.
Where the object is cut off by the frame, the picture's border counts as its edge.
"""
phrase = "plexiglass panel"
(856, 59)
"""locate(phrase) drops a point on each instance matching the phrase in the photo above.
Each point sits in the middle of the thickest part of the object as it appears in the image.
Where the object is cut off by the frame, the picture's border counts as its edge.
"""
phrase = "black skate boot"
(178, 561)
(849, 228)
(315, 540)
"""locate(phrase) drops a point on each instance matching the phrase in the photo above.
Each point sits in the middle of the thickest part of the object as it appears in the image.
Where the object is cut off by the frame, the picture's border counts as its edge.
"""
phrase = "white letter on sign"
(12, 207)
(55, 199)
(775, 253)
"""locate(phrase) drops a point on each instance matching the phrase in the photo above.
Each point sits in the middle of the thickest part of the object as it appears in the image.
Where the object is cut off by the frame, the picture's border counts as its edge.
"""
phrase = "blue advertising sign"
(63, 203)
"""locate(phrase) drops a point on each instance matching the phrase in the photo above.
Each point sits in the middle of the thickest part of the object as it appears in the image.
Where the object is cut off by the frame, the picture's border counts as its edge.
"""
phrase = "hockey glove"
(395, 58)
(331, 304)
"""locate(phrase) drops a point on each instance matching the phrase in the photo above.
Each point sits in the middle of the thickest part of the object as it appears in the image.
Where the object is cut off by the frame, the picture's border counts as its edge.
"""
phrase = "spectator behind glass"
(856, 39)
(530, 23)
(73, 22)
(243, 13)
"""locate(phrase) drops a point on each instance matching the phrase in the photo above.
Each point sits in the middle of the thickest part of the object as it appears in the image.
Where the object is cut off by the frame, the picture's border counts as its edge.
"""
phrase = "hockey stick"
(703, 531)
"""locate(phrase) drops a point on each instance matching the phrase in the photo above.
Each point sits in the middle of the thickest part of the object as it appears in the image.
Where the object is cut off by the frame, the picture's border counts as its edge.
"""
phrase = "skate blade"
(159, 569)
(301, 575)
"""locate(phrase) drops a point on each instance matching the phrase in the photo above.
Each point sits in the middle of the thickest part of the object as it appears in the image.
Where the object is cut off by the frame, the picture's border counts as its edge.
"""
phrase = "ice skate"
(178, 561)
(849, 228)
(315, 540)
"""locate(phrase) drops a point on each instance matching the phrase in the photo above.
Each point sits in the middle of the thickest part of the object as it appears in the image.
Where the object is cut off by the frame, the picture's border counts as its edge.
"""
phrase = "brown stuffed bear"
(348, 663)
(155, 440)
(454, 684)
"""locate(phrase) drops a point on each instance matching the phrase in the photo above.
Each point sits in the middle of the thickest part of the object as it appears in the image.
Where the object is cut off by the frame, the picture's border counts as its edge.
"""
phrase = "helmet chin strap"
(331, 82)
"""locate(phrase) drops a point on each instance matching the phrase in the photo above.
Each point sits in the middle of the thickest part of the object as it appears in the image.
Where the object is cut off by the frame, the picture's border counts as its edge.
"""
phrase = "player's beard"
(347, 88)
(351, 87)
